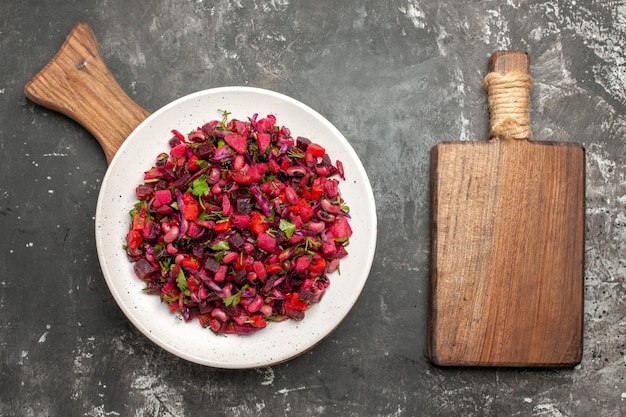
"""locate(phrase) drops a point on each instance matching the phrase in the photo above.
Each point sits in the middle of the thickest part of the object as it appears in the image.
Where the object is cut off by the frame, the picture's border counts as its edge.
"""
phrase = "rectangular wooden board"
(507, 253)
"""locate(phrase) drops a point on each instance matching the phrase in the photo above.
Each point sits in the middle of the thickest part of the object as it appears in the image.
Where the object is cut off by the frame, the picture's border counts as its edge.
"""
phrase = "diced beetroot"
(267, 123)
(272, 187)
(263, 141)
(235, 241)
(341, 252)
(266, 242)
(194, 231)
(240, 127)
(143, 191)
(178, 151)
(258, 170)
(302, 263)
(295, 314)
(211, 265)
(237, 142)
(240, 276)
(273, 166)
(240, 221)
(165, 210)
(220, 275)
(243, 204)
(163, 197)
(340, 228)
(296, 238)
(143, 269)
(298, 222)
(328, 244)
(332, 265)
(309, 296)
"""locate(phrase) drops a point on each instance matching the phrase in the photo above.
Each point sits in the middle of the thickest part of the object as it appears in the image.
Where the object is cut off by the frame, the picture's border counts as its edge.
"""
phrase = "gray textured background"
(396, 77)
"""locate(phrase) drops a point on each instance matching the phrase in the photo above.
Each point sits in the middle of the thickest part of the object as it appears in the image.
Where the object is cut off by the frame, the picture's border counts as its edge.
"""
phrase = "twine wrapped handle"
(508, 87)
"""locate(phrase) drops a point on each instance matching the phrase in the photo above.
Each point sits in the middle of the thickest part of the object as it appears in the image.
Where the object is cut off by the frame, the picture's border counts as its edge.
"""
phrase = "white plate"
(277, 342)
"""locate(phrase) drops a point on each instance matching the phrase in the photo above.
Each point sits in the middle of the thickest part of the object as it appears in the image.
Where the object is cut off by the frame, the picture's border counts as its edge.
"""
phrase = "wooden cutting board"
(507, 239)
(77, 83)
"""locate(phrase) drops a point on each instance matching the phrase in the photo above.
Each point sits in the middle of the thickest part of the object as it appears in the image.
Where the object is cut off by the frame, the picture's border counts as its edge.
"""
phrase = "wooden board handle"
(508, 87)
(504, 62)
(77, 83)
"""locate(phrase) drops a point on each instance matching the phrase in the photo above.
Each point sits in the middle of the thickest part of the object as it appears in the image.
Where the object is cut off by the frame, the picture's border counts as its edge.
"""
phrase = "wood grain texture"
(77, 83)
(507, 251)
(508, 61)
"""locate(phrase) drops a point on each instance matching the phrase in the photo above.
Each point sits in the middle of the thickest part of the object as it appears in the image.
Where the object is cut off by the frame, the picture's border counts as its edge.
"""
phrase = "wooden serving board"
(77, 83)
(507, 249)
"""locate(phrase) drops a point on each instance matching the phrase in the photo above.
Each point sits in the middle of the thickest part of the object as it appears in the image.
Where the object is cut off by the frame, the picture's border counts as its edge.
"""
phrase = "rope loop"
(509, 104)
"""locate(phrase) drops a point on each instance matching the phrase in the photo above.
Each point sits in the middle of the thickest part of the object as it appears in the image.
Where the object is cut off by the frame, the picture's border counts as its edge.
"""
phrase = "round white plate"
(277, 342)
